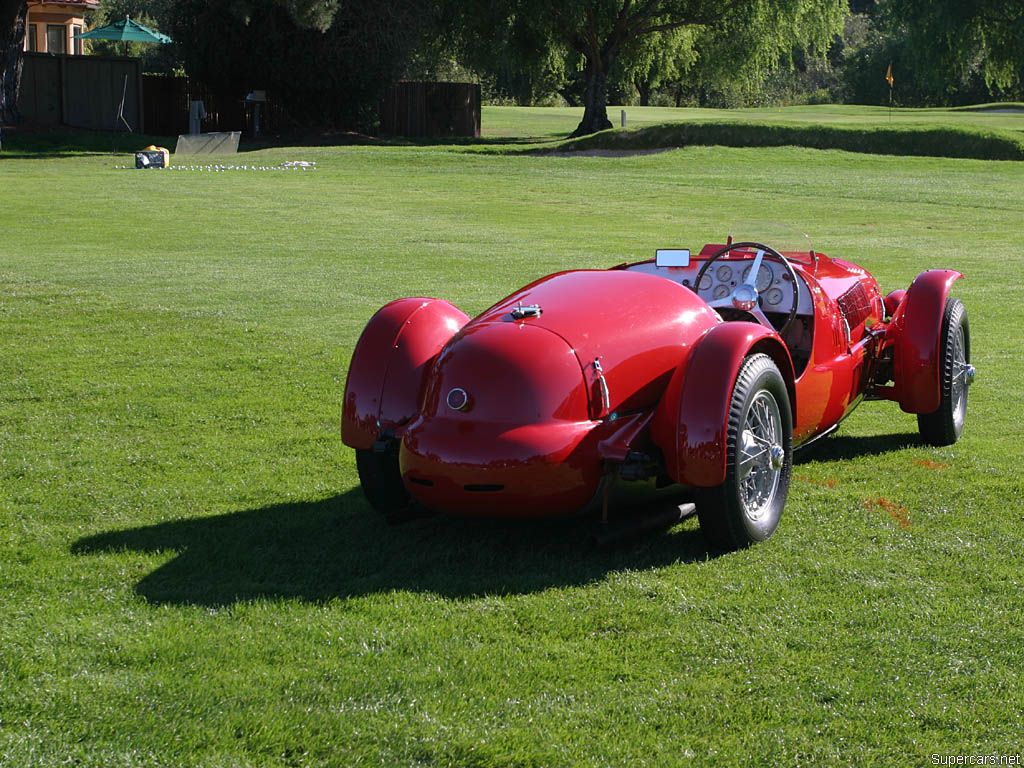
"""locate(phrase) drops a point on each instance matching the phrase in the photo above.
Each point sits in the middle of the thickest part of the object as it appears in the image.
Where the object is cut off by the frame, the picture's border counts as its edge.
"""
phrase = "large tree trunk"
(643, 87)
(595, 101)
(13, 23)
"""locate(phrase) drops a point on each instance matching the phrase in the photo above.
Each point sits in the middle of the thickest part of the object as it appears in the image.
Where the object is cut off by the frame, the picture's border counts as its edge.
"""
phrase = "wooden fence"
(431, 110)
(82, 91)
(87, 91)
(167, 103)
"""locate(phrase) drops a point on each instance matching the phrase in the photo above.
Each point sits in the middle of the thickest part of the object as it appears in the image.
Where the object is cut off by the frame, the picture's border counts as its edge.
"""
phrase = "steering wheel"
(745, 295)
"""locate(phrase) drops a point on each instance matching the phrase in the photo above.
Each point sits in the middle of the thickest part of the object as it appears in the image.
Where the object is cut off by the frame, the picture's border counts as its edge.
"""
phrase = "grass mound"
(911, 140)
(994, 106)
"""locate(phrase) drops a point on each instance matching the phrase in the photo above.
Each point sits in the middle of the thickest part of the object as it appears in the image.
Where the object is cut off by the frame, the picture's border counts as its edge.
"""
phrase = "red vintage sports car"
(701, 373)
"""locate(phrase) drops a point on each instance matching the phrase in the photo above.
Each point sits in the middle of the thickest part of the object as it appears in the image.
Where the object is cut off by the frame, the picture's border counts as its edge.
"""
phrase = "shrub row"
(932, 141)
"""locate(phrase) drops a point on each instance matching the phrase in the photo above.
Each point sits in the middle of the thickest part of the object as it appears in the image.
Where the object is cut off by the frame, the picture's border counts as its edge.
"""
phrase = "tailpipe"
(611, 533)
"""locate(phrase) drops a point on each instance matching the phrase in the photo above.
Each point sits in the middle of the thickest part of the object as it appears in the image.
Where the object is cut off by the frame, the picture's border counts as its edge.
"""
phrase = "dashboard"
(774, 285)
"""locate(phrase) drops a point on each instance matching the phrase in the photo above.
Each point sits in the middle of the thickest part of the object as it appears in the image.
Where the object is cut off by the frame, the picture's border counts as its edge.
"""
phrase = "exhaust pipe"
(655, 518)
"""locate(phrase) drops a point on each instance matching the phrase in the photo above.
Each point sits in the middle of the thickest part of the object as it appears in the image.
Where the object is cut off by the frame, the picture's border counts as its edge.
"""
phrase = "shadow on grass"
(35, 143)
(338, 548)
(847, 448)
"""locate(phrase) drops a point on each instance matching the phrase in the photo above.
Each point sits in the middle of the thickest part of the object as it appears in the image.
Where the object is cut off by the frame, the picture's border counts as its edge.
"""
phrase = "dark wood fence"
(81, 91)
(86, 92)
(167, 104)
(431, 110)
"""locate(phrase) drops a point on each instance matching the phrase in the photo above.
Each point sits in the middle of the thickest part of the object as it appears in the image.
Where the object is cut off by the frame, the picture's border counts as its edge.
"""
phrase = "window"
(76, 44)
(56, 38)
(33, 41)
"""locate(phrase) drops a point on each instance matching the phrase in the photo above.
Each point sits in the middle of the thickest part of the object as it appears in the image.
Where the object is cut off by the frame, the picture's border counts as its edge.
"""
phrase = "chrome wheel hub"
(761, 455)
(963, 377)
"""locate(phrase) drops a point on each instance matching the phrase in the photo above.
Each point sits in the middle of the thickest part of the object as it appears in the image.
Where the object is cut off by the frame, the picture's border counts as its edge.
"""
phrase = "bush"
(908, 140)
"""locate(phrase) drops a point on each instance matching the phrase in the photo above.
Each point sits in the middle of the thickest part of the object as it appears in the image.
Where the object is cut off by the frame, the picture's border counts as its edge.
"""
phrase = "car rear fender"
(385, 379)
(690, 422)
(914, 335)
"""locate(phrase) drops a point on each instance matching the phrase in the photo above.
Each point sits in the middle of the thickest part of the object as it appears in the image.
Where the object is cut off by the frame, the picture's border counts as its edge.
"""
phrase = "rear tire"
(382, 482)
(747, 507)
(945, 425)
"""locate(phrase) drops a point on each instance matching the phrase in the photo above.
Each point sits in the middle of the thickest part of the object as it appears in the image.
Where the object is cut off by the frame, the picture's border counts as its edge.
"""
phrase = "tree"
(941, 53)
(757, 34)
(651, 60)
(954, 37)
(13, 23)
(327, 66)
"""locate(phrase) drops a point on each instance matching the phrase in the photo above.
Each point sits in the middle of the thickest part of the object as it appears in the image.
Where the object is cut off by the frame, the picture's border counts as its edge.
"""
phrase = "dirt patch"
(828, 482)
(899, 514)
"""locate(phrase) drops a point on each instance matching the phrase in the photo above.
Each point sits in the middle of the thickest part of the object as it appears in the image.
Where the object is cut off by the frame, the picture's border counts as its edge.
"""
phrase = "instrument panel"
(774, 284)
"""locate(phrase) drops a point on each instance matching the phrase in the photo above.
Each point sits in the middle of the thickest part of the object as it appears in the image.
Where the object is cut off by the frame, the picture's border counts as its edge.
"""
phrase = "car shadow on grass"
(850, 447)
(338, 548)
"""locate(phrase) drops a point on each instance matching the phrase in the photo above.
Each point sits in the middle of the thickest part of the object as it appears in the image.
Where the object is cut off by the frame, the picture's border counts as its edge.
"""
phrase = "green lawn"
(547, 122)
(190, 576)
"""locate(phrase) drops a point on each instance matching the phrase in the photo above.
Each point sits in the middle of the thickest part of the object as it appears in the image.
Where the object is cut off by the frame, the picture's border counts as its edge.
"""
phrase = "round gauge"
(705, 283)
(764, 277)
(724, 273)
(774, 296)
(721, 291)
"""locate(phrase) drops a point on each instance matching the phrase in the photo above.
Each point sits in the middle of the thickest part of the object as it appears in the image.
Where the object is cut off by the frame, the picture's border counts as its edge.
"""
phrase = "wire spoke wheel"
(945, 425)
(747, 507)
(960, 376)
(758, 466)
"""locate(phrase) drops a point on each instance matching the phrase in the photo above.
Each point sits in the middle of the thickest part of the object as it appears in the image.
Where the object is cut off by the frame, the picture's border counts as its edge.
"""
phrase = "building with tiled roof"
(53, 24)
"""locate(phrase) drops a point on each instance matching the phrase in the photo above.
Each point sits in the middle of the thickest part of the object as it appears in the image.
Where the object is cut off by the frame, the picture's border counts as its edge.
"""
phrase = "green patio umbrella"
(126, 31)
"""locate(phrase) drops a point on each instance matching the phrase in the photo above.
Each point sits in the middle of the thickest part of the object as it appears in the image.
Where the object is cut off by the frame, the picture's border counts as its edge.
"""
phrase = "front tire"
(747, 507)
(945, 425)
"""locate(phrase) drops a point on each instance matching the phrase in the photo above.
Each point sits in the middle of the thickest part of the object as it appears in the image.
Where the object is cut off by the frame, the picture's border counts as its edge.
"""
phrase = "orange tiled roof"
(85, 5)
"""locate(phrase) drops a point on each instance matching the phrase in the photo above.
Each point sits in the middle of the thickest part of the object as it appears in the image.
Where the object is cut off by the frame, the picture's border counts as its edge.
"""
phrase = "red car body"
(588, 378)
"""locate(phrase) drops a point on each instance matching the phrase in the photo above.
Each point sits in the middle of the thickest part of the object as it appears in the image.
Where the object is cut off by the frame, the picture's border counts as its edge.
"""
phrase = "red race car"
(697, 373)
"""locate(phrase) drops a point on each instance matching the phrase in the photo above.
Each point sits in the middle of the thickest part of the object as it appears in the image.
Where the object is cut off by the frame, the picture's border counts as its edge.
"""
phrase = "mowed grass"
(558, 122)
(189, 573)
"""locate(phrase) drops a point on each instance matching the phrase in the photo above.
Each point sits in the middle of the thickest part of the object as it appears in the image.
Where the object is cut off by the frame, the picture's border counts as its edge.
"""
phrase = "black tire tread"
(721, 520)
(381, 480)
(939, 428)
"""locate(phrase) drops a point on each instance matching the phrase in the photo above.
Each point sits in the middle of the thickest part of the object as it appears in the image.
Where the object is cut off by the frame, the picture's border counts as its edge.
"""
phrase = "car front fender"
(690, 422)
(914, 333)
(385, 379)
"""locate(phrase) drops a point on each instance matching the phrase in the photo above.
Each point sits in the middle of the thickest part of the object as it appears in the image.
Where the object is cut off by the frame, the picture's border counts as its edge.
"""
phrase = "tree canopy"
(325, 66)
(327, 62)
(750, 35)
(986, 35)
(941, 52)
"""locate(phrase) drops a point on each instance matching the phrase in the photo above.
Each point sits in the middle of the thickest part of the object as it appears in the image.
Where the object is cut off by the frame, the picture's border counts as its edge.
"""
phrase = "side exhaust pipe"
(655, 518)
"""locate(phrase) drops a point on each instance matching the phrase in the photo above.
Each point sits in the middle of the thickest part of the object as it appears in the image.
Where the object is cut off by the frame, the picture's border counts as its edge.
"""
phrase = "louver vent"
(855, 305)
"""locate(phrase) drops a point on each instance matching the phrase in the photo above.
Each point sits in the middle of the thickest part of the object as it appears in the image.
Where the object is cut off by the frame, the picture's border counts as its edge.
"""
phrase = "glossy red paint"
(531, 408)
(893, 300)
(690, 422)
(830, 385)
(536, 412)
(384, 382)
(500, 470)
(519, 436)
(914, 333)
(637, 326)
